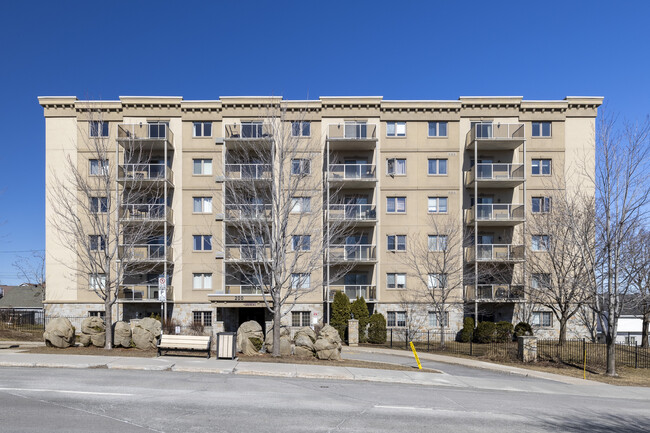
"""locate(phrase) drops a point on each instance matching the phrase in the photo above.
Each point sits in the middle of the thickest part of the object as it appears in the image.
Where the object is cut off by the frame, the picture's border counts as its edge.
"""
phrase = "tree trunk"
(644, 330)
(277, 316)
(108, 316)
(611, 354)
(442, 335)
(562, 338)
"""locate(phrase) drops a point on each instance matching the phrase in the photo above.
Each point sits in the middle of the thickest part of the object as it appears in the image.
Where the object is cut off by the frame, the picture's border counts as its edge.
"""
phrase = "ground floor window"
(396, 318)
(434, 321)
(101, 314)
(300, 318)
(542, 318)
(203, 318)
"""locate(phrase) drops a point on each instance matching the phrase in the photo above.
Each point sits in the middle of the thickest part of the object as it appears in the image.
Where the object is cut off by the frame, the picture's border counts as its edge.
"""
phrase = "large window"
(541, 167)
(202, 129)
(202, 167)
(300, 281)
(98, 167)
(396, 242)
(434, 321)
(437, 167)
(202, 281)
(437, 205)
(437, 242)
(540, 281)
(202, 205)
(97, 281)
(300, 204)
(541, 129)
(541, 204)
(300, 166)
(300, 318)
(396, 129)
(203, 318)
(98, 204)
(301, 129)
(98, 129)
(97, 243)
(437, 281)
(396, 204)
(396, 166)
(396, 280)
(202, 242)
(540, 243)
(437, 129)
(301, 242)
(542, 318)
(396, 318)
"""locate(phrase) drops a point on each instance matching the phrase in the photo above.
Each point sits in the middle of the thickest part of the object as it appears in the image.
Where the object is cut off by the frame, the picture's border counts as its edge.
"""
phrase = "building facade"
(394, 171)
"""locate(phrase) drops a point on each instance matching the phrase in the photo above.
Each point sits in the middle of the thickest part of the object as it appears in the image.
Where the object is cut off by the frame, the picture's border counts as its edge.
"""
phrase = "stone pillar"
(218, 327)
(353, 333)
(527, 349)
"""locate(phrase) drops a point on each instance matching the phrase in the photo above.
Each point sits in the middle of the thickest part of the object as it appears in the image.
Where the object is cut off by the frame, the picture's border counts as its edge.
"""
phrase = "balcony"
(247, 253)
(352, 253)
(495, 293)
(495, 253)
(141, 293)
(147, 135)
(359, 135)
(358, 214)
(144, 253)
(239, 212)
(496, 136)
(506, 214)
(154, 213)
(249, 131)
(369, 293)
(496, 175)
(236, 295)
(248, 171)
(144, 174)
(352, 175)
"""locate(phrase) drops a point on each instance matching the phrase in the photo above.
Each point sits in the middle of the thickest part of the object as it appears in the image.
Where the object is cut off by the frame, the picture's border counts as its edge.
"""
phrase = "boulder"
(84, 340)
(328, 344)
(308, 332)
(95, 329)
(285, 341)
(250, 338)
(59, 332)
(122, 334)
(303, 352)
(146, 333)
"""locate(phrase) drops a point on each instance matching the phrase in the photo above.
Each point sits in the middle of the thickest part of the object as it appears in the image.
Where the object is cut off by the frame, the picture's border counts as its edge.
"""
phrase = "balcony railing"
(248, 171)
(141, 292)
(352, 172)
(497, 172)
(144, 131)
(497, 131)
(352, 212)
(146, 212)
(501, 212)
(236, 212)
(352, 253)
(145, 253)
(247, 253)
(496, 253)
(495, 292)
(352, 131)
(249, 130)
(369, 293)
(142, 172)
(243, 289)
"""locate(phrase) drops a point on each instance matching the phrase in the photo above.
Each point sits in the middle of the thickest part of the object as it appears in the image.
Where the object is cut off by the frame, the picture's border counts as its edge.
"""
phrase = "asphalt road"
(98, 400)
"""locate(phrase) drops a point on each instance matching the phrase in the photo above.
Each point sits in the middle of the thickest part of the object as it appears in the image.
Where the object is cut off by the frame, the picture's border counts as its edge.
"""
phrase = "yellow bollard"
(416, 355)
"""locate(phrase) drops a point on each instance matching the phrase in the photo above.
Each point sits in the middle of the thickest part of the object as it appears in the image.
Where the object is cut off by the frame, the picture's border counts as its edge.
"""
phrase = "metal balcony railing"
(369, 293)
(145, 212)
(497, 131)
(249, 130)
(495, 253)
(495, 292)
(141, 292)
(235, 212)
(144, 131)
(352, 253)
(352, 131)
(248, 171)
(497, 212)
(497, 172)
(142, 172)
(247, 253)
(145, 253)
(352, 212)
(352, 172)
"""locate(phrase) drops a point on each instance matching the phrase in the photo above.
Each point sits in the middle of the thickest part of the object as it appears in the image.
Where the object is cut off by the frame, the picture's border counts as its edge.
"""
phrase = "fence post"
(636, 356)
(470, 348)
(427, 340)
(391, 338)
(406, 339)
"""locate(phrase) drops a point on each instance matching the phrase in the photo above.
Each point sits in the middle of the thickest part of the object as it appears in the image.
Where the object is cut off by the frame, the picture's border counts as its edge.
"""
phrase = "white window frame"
(101, 129)
(398, 129)
(96, 205)
(300, 280)
(437, 129)
(393, 165)
(540, 132)
(538, 242)
(102, 167)
(205, 205)
(205, 280)
(395, 205)
(303, 317)
(540, 166)
(300, 204)
(396, 277)
(99, 241)
(437, 207)
(303, 165)
(97, 281)
(396, 319)
(201, 126)
(301, 243)
(204, 163)
(437, 160)
(205, 317)
(301, 128)
(540, 280)
(544, 207)
(537, 319)
(437, 242)
(433, 320)
(437, 281)
(203, 239)
(398, 240)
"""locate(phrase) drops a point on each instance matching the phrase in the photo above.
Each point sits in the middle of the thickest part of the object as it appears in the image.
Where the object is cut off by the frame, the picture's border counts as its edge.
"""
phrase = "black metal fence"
(22, 320)
(592, 355)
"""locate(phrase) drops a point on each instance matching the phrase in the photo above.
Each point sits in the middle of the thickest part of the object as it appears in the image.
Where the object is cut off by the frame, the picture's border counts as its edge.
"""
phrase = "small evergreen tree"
(485, 332)
(523, 329)
(340, 313)
(467, 333)
(377, 329)
(359, 309)
(504, 331)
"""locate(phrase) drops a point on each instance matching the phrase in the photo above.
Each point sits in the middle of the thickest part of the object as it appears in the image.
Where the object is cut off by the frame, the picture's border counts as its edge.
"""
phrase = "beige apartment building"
(393, 171)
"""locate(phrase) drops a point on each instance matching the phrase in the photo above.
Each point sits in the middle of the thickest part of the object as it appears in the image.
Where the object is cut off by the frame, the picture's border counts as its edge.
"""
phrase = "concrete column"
(218, 327)
(353, 333)
(527, 349)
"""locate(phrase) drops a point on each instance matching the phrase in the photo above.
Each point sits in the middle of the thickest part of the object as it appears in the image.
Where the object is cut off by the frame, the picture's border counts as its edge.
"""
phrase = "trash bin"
(226, 345)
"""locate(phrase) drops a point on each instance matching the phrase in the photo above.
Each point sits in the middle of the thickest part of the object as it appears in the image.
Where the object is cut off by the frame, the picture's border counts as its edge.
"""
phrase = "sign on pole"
(162, 289)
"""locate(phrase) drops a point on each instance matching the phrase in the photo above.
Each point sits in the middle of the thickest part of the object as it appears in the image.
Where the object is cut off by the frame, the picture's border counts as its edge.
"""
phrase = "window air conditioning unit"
(218, 141)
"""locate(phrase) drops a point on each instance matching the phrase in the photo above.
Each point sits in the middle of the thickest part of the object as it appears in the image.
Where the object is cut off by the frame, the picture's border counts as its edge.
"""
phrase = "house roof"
(21, 297)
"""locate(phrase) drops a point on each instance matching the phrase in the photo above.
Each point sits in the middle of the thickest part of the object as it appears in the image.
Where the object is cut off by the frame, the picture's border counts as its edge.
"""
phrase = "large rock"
(303, 342)
(285, 341)
(93, 329)
(84, 340)
(250, 338)
(59, 332)
(146, 333)
(122, 334)
(328, 345)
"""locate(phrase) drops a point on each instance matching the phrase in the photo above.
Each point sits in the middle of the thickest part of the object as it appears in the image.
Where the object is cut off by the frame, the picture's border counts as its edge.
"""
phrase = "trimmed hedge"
(485, 332)
(359, 309)
(377, 329)
(467, 333)
(523, 329)
(504, 331)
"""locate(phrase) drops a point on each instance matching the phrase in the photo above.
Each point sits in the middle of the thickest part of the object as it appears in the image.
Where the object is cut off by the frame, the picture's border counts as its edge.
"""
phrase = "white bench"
(191, 343)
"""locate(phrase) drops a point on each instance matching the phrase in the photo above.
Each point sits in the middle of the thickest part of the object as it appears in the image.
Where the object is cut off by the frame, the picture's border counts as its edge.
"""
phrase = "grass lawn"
(12, 334)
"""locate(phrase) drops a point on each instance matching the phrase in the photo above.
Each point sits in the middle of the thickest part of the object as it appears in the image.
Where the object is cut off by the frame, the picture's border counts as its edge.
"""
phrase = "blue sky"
(300, 50)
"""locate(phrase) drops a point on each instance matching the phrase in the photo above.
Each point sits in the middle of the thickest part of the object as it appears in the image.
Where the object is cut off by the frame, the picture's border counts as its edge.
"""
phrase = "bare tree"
(275, 239)
(637, 269)
(109, 226)
(32, 269)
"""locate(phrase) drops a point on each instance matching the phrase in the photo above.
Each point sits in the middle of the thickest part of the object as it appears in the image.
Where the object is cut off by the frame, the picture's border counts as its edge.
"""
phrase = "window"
(542, 318)
(396, 318)
(540, 243)
(202, 242)
(437, 281)
(541, 204)
(97, 281)
(202, 205)
(396, 242)
(540, 281)
(438, 167)
(396, 281)
(396, 167)
(98, 204)
(202, 281)
(300, 318)
(202, 167)
(437, 129)
(542, 167)
(434, 322)
(300, 204)
(437, 205)
(300, 166)
(202, 318)
(203, 129)
(98, 167)
(97, 313)
(301, 243)
(300, 129)
(300, 281)
(541, 129)
(97, 243)
(396, 204)
(98, 129)
(437, 242)
(396, 129)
